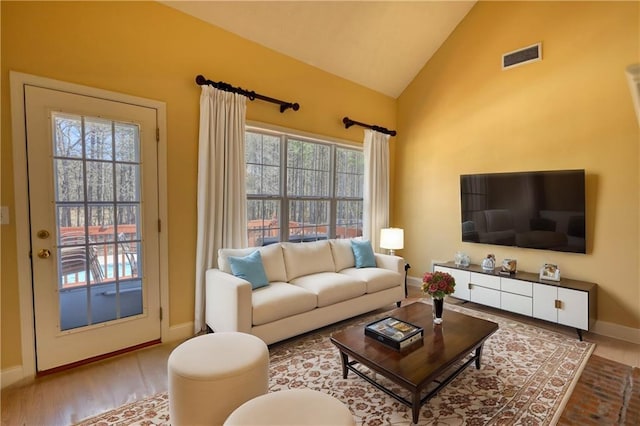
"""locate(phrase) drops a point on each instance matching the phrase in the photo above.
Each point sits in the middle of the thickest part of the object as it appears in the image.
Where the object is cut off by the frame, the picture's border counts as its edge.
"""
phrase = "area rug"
(527, 376)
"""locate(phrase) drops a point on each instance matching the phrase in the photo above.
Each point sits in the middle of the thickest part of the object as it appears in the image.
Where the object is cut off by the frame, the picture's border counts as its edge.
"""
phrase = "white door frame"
(17, 82)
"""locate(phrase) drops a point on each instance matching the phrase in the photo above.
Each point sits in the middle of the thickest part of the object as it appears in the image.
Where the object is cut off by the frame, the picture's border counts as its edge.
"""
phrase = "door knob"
(44, 254)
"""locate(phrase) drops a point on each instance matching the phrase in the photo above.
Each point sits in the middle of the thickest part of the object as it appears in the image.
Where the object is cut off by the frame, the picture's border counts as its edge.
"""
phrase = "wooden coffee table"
(458, 340)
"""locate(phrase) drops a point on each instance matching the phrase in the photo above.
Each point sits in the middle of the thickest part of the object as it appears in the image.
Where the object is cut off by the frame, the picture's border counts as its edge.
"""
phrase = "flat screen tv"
(540, 210)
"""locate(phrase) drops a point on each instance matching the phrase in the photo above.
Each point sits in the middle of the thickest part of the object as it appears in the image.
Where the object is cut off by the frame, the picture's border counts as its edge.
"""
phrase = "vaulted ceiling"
(381, 45)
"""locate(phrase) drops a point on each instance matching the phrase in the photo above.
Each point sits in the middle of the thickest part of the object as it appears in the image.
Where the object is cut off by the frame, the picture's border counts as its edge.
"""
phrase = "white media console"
(567, 302)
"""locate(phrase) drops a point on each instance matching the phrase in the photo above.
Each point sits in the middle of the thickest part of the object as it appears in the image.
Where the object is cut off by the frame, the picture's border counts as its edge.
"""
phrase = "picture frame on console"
(550, 271)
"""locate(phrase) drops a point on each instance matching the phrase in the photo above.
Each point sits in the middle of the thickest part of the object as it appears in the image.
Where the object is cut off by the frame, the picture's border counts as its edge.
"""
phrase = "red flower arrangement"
(438, 284)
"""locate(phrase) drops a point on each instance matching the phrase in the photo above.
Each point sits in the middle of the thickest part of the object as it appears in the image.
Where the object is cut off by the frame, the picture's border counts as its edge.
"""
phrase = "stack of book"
(393, 332)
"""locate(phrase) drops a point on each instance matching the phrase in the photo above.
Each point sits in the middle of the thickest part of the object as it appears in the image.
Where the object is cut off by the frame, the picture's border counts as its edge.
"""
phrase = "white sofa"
(310, 285)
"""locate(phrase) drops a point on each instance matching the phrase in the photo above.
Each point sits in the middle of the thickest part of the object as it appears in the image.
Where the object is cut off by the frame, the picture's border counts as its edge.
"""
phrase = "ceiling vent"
(522, 56)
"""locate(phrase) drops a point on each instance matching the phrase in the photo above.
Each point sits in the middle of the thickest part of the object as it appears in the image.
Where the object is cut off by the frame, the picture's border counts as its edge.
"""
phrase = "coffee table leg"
(415, 407)
(345, 361)
(478, 356)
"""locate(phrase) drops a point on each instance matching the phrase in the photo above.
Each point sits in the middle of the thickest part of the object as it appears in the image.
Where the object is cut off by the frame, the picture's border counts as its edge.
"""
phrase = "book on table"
(394, 332)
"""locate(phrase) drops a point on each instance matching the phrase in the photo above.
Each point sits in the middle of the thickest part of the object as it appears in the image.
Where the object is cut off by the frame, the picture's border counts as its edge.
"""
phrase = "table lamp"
(392, 239)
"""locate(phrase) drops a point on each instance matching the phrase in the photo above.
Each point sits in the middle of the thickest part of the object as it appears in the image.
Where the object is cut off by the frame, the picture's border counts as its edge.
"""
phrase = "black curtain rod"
(201, 80)
(349, 122)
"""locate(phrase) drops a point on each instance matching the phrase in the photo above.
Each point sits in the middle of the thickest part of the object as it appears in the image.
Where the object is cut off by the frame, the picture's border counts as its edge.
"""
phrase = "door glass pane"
(69, 180)
(127, 145)
(99, 139)
(128, 182)
(99, 245)
(99, 181)
(68, 136)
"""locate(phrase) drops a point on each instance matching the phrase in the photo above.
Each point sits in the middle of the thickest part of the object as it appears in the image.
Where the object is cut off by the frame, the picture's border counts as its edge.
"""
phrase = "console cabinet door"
(544, 302)
(574, 310)
(462, 281)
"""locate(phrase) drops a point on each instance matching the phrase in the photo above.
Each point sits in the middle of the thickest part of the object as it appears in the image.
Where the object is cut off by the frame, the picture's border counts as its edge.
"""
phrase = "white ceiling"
(381, 45)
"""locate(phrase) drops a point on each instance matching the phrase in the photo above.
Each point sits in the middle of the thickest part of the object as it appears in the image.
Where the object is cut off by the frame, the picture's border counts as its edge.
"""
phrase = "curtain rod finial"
(201, 80)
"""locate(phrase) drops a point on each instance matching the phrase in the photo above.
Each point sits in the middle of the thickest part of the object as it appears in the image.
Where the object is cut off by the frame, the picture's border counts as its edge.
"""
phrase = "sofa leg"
(398, 303)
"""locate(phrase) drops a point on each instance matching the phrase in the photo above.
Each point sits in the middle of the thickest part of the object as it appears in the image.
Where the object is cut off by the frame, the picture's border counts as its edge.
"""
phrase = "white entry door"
(93, 202)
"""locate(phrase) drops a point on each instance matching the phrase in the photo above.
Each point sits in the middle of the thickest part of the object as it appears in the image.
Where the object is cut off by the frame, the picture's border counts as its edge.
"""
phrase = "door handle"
(44, 253)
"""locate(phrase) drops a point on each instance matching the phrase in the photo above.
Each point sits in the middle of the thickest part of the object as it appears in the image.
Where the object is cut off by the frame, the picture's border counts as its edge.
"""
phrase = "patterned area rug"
(526, 378)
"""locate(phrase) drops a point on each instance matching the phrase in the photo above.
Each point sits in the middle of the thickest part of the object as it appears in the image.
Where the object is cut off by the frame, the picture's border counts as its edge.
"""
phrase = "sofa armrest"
(386, 261)
(228, 302)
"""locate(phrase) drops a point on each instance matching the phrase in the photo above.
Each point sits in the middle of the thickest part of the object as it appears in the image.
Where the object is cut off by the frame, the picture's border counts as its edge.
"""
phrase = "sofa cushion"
(331, 287)
(342, 254)
(363, 253)
(307, 258)
(377, 279)
(280, 300)
(249, 268)
(272, 260)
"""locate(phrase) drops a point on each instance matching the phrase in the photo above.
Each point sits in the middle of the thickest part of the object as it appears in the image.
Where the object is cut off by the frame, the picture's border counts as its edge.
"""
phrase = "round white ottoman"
(292, 407)
(212, 375)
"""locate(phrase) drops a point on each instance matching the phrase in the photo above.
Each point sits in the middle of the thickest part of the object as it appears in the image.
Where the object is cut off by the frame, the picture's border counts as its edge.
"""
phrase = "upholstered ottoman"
(212, 375)
(292, 407)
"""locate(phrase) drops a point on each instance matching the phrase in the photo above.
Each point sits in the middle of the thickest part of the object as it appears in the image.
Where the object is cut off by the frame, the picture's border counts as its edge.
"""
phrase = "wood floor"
(68, 397)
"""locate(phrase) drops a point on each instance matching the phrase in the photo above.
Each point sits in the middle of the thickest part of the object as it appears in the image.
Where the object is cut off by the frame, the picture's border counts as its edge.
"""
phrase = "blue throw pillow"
(249, 268)
(363, 252)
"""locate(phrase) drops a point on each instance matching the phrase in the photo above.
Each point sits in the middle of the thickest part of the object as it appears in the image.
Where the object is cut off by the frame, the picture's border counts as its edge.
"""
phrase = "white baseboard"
(414, 281)
(179, 332)
(620, 332)
(11, 375)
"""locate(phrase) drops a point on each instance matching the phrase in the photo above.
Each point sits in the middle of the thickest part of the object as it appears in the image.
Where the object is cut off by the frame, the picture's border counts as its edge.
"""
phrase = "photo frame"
(509, 267)
(550, 271)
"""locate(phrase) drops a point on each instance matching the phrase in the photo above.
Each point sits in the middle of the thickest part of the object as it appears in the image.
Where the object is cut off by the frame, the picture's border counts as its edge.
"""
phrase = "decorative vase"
(461, 259)
(438, 307)
(489, 263)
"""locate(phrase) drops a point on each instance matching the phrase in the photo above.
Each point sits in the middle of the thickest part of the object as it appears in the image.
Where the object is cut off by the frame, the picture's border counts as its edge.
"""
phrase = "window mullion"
(284, 203)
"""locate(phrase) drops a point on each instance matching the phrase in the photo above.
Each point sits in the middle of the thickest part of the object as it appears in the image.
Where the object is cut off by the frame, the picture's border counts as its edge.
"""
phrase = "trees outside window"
(317, 185)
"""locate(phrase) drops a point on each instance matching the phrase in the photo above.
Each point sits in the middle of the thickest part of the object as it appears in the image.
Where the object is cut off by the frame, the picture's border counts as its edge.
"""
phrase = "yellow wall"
(463, 114)
(147, 49)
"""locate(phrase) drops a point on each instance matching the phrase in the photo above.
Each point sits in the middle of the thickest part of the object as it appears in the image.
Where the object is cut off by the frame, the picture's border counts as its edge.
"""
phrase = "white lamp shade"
(392, 238)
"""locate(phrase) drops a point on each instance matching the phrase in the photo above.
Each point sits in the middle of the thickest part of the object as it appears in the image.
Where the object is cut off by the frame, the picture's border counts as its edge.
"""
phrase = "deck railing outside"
(101, 251)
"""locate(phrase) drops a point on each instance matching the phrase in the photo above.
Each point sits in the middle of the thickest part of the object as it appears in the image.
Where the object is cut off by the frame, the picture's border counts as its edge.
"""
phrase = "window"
(316, 184)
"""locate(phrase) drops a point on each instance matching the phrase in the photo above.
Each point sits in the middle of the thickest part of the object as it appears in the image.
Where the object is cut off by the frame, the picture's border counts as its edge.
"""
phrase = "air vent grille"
(522, 56)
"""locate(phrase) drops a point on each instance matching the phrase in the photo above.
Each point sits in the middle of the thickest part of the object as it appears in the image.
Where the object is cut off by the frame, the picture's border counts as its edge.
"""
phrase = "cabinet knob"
(558, 304)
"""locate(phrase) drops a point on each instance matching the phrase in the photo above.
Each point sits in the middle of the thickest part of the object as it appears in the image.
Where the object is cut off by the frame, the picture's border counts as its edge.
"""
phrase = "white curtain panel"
(222, 211)
(376, 186)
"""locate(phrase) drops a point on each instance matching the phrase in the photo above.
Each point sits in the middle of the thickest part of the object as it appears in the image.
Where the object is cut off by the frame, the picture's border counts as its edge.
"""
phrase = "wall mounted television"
(538, 209)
